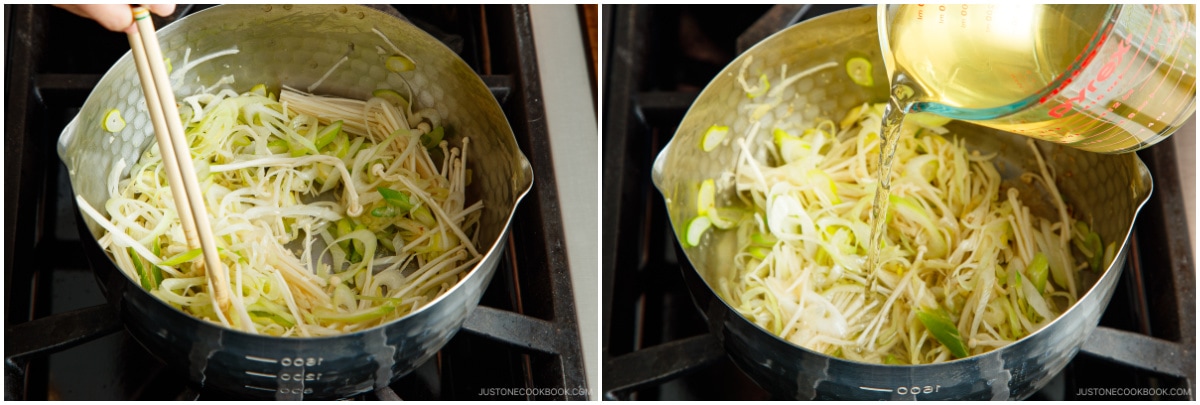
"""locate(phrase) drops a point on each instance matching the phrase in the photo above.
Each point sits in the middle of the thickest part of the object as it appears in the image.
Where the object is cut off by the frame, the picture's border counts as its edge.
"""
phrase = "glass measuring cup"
(1103, 78)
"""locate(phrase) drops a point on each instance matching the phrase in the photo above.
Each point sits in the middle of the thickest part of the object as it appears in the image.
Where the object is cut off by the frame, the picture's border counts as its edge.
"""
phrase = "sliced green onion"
(713, 137)
(395, 198)
(706, 200)
(397, 63)
(763, 239)
(422, 215)
(154, 271)
(695, 230)
(112, 121)
(344, 227)
(386, 211)
(259, 89)
(277, 318)
(433, 138)
(148, 281)
(1038, 270)
(341, 146)
(277, 146)
(392, 97)
(859, 69)
(791, 147)
(182, 258)
(759, 252)
(385, 241)
(358, 239)
(938, 323)
(1110, 252)
(1060, 270)
(1013, 322)
(354, 317)
(726, 217)
(301, 146)
(1083, 227)
(328, 134)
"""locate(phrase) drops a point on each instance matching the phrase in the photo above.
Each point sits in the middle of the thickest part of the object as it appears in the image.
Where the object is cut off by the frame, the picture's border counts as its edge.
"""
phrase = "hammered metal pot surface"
(296, 45)
(1106, 190)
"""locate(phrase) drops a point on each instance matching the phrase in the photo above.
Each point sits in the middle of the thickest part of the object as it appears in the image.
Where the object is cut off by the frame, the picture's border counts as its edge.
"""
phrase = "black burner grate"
(656, 344)
(63, 342)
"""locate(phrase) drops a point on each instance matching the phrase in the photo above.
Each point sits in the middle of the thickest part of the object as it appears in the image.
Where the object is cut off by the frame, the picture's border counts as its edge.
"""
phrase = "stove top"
(656, 343)
(62, 341)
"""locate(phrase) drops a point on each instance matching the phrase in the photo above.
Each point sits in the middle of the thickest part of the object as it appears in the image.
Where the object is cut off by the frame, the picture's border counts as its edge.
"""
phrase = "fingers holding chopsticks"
(115, 17)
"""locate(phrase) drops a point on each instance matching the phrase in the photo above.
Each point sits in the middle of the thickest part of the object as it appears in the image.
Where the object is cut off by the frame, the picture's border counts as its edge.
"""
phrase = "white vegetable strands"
(331, 214)
(965, 267)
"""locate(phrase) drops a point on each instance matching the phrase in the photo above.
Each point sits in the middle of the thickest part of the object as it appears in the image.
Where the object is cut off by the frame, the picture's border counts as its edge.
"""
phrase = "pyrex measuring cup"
(1103, 78)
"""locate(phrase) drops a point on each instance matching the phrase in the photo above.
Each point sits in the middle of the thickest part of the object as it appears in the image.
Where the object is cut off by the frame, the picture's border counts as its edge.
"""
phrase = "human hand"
(114, 17)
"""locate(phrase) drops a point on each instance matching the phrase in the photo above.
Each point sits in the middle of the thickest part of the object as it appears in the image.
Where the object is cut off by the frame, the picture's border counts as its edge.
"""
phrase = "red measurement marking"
(1071, 74)
(1105, 72)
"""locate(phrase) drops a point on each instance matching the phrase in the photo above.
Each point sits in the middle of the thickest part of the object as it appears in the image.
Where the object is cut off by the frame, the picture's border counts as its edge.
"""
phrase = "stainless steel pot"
(1107, 190)
(296, 45)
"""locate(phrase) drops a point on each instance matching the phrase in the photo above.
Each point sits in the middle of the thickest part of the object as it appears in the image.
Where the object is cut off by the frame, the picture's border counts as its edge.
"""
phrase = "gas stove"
(656, 343)
(62, 341)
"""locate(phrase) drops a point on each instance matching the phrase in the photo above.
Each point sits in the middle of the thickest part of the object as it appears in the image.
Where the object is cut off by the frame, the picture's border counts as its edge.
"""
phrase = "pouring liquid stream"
(898, 106)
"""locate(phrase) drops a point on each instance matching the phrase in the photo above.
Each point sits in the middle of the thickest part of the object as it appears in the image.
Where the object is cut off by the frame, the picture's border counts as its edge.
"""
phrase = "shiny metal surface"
(296, 46)
(1105, 189)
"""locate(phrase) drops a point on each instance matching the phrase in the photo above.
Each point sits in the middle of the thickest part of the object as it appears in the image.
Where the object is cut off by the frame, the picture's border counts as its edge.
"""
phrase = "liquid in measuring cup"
(1102, 78)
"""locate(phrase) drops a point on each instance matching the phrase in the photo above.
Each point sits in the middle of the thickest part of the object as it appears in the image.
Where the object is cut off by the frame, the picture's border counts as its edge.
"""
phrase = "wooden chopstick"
(177, 157)
(170, 165)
